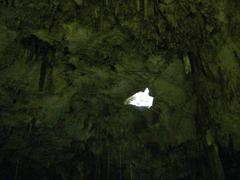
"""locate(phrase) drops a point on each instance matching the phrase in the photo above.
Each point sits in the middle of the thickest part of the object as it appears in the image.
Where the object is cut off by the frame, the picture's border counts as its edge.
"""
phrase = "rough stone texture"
(67, 66)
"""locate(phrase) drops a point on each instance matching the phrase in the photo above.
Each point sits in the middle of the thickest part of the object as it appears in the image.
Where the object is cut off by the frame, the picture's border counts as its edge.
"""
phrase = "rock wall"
(67, 66)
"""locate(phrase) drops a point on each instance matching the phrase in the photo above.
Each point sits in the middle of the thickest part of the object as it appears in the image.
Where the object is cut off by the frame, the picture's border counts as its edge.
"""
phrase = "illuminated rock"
(141, 99)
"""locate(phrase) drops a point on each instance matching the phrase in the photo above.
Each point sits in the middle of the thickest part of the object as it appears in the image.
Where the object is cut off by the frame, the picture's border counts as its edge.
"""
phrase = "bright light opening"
(141, 99)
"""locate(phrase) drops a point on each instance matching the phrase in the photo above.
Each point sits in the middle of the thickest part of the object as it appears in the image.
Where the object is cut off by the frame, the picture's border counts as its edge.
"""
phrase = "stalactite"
(145, 9)
(203, 118)
(43, 72)
(101, 20)
(98, 15)
(9, 3)
(138, 6)
(120, 164)
(131, 173)
(16, 171)
(106, 2)
(187, 65)
(215, 161)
